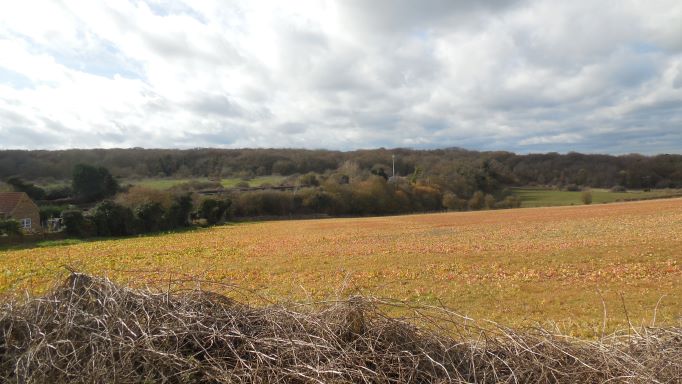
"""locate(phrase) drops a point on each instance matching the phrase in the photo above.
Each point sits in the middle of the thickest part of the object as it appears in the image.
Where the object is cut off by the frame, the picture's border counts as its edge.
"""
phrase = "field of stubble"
(566, 265)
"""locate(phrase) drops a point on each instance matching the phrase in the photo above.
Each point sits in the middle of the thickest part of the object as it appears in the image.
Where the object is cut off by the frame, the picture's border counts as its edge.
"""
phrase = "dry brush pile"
(89, 330)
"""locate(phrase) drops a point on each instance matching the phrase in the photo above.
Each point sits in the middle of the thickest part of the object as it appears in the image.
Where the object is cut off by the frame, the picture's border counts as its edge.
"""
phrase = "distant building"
(18, 206)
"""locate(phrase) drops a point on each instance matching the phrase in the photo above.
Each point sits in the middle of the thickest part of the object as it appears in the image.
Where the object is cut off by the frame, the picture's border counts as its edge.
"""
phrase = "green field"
(227, 183)
(540, 197)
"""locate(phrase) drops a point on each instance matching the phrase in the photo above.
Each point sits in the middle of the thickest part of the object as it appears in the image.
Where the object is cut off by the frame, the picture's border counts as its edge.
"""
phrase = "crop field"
(565, 265)
(539, 197)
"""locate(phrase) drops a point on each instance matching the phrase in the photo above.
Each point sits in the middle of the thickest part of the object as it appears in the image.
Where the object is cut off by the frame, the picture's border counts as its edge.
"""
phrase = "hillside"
(453, 168)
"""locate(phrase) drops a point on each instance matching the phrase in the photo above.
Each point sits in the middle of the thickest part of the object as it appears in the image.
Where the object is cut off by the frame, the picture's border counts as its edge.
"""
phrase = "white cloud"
(524, 75)
(563, 138)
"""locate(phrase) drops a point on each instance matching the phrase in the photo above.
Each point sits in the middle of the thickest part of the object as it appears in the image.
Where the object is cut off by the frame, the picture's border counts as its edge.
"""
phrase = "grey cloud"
(405, 16)
(531, 75)
(292, 128)
(677, 82)
(219, 105)
(18, 131)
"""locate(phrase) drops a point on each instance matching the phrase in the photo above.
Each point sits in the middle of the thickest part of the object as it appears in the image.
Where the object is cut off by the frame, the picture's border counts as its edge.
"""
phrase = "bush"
(179, 211)
(50, 211)
(316, 201)
(489, 201)
(74, 221)
(454, 203)
(213, 211)
(10, 228)
(426, 198)
(112, 219)
(309, 180)
(137, 196)
(586, 196)
(55, 193)
(264, 203)
(150, 217)
(477, 201)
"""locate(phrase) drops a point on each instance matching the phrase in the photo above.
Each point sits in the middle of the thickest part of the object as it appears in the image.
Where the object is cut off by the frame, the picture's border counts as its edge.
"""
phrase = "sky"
(518, 75)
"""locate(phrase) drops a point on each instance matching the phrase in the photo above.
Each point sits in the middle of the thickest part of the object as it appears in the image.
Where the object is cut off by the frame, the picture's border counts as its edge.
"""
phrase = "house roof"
(9, 201)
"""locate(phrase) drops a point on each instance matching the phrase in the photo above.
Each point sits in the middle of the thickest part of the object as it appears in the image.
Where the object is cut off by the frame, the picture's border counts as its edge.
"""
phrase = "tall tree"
(93, 183)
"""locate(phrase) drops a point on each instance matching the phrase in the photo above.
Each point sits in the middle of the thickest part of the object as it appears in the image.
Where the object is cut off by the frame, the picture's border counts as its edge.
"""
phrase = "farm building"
(20, 207)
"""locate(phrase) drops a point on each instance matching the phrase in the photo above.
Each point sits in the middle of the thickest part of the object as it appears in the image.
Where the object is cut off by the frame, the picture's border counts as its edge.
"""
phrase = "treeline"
(138, 210)
(111, 218)
(461, 171)
(371, 196)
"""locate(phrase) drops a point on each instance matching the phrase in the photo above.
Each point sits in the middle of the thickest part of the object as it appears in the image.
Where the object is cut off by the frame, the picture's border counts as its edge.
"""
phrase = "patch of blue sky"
(167, 8)
(645, 47)
(420, 34)
(107, 62)
(14, 79)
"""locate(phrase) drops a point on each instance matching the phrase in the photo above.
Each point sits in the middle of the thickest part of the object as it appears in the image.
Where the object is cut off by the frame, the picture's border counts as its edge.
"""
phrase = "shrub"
(586, 196)
(137, 196)
(264, 203)
(477, 201)
(316, 201)
(489, 201)
(426, 198)
(74, 222)
(213, 211)
(55, 193)
(112, 219)
(50, 211)
(309, 180)
(179, 211)
(10, 228)
(150, 217)
(454, 203)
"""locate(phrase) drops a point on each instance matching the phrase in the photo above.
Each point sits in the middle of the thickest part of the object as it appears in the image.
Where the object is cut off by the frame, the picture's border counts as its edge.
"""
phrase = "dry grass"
(518, 267)
(92, 331)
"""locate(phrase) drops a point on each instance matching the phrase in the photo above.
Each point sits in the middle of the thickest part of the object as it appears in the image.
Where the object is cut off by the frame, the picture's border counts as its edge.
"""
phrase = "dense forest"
(458, 170)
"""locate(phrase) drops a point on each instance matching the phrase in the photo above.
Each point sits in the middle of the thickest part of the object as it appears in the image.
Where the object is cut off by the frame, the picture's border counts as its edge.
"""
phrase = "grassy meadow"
(542, 197)
(517, 267)
(158, 183)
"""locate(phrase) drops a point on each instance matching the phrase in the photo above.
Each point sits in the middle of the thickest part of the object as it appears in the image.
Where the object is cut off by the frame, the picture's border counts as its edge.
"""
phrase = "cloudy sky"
(526, 76)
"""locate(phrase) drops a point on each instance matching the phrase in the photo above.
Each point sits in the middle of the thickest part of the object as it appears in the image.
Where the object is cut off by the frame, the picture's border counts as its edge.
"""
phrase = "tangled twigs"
(90, 330)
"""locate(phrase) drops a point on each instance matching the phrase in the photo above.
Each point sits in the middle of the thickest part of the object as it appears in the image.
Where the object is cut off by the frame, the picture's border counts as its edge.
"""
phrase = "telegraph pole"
(393, 157)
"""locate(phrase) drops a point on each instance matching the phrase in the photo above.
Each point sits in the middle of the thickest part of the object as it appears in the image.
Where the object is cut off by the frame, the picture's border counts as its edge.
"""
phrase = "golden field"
(518, 267)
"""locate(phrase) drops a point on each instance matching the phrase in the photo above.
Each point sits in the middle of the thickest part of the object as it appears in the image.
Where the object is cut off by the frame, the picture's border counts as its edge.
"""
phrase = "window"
(25, 223)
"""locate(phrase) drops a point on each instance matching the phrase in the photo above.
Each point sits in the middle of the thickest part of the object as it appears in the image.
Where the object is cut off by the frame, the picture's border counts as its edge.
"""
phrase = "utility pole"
(393, 157)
